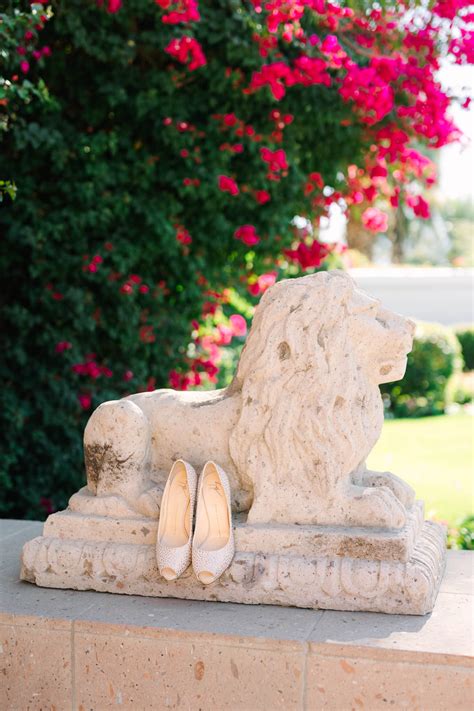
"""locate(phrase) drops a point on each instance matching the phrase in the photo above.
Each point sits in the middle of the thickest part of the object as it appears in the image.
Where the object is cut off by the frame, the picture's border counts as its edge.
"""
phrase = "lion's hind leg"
(116, 450)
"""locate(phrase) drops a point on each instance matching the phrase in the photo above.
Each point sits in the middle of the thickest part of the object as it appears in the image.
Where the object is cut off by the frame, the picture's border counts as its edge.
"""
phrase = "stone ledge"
(70, 649)
(96, 561)
(269, 539)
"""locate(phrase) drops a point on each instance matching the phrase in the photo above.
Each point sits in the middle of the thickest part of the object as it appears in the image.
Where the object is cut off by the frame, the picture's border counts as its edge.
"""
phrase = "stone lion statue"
(292, 430)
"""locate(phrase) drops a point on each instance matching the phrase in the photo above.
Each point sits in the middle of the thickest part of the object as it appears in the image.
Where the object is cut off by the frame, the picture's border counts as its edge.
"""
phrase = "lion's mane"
(308, 415)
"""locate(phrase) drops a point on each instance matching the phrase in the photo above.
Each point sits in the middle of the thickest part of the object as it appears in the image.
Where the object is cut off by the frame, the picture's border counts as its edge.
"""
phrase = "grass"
(436, 456)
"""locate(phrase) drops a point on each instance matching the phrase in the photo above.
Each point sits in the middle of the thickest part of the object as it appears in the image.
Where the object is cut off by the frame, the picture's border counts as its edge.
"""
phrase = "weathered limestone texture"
(313, 527)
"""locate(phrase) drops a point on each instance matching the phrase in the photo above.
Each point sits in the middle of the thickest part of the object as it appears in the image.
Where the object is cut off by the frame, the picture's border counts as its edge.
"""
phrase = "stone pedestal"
(319, 567)
(292, 432)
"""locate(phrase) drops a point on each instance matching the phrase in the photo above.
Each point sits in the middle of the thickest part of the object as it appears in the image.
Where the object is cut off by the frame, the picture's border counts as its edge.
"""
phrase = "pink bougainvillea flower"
(63, 346)
(247, 234)
(238, 325)
(209, 345)
(85, 400)
(375, 220)
(419, 206)
(230, 119)
(330, 44)
(378, 171)
(262, 196)
(259, 285)
(276, 76)
(128, 375)
(228, 185)
(310, 70)
(265, 281)
(179, 11)
(224, 335)
(309, 256)
(449, 8)
(253, 288)
(150, 384)
(25, 66)
(146, 334)
(210, 368)
(113, 6)
(194, 182)
(178, 381)
(371, 93)
(276, 159)
(182, 235)
(317, 179)
(187, 50)
(91, 368)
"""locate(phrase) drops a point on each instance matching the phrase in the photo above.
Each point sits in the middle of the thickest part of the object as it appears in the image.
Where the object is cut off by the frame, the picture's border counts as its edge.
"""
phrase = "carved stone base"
(301, 566)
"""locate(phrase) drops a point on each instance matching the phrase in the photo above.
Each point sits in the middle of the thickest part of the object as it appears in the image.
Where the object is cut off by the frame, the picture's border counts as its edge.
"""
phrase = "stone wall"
(65, 649)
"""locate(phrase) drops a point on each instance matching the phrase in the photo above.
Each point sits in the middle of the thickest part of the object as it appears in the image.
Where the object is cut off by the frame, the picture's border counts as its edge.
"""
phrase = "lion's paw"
(403, 491)
(378, 506)
(148, 503)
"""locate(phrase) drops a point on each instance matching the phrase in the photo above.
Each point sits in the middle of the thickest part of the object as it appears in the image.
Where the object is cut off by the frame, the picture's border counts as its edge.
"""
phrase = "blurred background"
(164, 163)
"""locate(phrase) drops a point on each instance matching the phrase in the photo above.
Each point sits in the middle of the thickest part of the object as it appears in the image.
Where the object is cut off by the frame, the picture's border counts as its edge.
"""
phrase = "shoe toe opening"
(168, 573)
(206, 578)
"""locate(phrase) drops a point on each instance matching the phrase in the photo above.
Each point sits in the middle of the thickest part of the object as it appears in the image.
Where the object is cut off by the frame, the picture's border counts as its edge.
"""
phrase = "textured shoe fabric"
(209, 561)
(173, 560)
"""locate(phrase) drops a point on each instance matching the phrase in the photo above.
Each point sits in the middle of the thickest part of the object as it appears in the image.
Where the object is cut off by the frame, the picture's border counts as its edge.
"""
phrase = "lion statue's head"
(311, 409)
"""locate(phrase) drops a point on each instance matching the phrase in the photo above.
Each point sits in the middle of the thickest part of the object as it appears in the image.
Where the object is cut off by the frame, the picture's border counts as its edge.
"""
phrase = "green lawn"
(436, 456)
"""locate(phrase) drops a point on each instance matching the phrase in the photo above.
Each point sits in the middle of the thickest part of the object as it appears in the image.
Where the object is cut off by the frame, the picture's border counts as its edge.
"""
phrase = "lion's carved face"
(381, 338)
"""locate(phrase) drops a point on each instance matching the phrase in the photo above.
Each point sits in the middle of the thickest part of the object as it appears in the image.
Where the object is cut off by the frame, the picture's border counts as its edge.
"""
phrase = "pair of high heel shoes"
(211, 548)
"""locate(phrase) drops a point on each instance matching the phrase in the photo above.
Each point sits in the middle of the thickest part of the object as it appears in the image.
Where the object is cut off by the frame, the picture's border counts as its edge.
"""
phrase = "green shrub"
(463, 537)
(461, 388)
(465, 336)
(120, 237)
(424, 389)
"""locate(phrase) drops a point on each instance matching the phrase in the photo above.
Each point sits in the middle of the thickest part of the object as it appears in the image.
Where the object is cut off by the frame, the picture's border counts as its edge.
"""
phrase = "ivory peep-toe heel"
(213, 541)
(175, 527)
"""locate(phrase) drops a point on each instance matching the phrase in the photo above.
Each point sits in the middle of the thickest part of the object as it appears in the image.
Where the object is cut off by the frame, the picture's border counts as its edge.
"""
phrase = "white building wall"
(428, 294)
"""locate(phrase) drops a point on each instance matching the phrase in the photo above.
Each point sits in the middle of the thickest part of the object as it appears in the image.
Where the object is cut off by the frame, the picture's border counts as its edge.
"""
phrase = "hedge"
(465, 336)
(435, 357)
